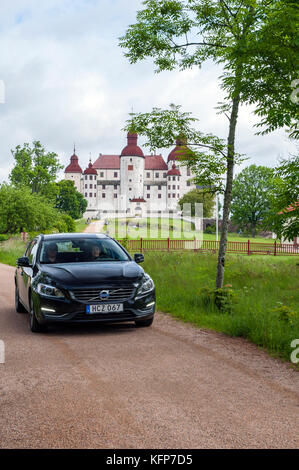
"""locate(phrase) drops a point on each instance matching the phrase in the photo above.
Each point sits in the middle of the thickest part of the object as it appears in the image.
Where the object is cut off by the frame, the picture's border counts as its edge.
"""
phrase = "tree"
(237, 35)
(284, 217)
(35, 168)
(24, 211)
(69, 200)
(200, 197)
(251, 197)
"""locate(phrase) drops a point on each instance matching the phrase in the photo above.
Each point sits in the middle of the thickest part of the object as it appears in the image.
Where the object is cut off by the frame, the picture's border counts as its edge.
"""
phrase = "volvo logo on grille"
(104, 295)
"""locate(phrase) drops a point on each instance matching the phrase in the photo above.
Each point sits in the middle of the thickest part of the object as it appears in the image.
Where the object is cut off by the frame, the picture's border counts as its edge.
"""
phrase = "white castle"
(132, 183)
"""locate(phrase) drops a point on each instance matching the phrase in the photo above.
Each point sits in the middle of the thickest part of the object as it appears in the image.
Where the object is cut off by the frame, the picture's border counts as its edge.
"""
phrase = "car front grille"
(120, 294)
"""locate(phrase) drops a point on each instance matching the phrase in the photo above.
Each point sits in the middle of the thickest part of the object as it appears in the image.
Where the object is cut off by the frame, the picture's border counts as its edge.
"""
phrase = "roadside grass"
(10, 250)
(164, 228)
(80, 225)
(264, 288)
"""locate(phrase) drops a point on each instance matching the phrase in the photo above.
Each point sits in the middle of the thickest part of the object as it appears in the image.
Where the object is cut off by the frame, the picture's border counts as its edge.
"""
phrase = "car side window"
(33, 250)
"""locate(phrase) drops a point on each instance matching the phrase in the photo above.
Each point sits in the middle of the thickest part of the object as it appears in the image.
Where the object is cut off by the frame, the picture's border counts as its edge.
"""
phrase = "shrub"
(286, 314)
(223, 298)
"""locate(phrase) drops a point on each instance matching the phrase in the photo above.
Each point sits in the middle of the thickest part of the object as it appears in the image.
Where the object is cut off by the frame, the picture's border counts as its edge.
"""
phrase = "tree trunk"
(228, 189)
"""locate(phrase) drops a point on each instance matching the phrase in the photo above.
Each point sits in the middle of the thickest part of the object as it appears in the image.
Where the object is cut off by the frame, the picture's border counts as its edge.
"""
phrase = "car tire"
(19, 307)
(143, 323)
(35, 326)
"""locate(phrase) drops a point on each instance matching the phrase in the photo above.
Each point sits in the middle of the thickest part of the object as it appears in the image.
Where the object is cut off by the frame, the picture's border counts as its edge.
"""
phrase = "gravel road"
(168, 386)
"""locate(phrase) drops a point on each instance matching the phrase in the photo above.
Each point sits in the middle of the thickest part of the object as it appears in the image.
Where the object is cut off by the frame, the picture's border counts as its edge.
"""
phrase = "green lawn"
(80, 225)
(164, 228)
(266, 303)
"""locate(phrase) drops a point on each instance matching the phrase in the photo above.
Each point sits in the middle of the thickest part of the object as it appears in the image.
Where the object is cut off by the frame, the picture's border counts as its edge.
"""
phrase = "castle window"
(169, 187)
(102, 174)
(85, 194)
(188, 183)
(173, 195)
(148, 196)
(115, 186)
(115, 196)
(86, 186)
(148, 188)
(159, 196)
(148, 175)
(103, 195)
(178, 187)
(103, 186)
(164, 175)
(130, 189)
(95, 186)
(130, 167)
(86, 177)
(173, 178)
(115, 174)
(95, 195)
(169, 195)
(90, 177)
(131, 160)
(90, 194)
(157, 175)
(173, 187)
(159, 188)
(188, 172)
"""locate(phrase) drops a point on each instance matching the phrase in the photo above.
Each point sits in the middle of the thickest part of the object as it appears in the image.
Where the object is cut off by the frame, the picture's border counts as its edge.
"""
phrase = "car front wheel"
(35, 326)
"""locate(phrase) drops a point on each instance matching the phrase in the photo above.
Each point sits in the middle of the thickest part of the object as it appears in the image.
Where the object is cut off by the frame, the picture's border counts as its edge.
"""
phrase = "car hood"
(93, 273)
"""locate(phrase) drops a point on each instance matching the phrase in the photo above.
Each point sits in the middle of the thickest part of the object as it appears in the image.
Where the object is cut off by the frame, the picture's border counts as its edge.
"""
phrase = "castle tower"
(132, 162)
(173, 187)
(74, 172)
(90, 186)
(186, 183)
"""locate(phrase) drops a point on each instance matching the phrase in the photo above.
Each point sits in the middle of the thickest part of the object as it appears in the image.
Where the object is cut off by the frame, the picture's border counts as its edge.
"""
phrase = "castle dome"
(74, 166)
(177, 152)
(174, 171)
(132, 149)
(90, 170)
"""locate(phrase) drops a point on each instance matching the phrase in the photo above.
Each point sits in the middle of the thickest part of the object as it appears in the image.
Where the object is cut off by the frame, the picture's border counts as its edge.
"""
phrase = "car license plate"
(104, 308)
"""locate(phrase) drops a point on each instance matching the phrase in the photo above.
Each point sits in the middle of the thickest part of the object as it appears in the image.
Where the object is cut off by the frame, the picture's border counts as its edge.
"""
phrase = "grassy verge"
(164, 228)
(80, 225)
(10, 250)
(265, 308)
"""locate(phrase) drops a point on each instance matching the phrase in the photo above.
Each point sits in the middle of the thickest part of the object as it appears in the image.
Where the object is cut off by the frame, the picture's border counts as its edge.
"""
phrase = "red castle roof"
(174, 171)
(112, 162)
(74, 166)
(132, 148)
(178, 151)
(90, 170)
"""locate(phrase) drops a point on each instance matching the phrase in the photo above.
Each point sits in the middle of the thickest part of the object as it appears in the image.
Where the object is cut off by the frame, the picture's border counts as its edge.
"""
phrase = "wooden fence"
(250, 248)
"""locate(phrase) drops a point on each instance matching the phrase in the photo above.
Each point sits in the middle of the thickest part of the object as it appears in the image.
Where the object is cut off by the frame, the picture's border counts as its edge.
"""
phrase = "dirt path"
(168, 386)
(95, 227)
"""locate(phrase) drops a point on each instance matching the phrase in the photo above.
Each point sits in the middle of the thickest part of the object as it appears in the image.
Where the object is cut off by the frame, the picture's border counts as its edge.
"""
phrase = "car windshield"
(81, 250)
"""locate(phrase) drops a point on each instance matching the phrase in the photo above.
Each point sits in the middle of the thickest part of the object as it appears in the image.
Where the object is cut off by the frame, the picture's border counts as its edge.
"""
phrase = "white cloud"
(67, 80)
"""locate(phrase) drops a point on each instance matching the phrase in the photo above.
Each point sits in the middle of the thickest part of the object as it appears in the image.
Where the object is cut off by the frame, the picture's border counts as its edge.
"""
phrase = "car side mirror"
(138, 258)
(24, 262)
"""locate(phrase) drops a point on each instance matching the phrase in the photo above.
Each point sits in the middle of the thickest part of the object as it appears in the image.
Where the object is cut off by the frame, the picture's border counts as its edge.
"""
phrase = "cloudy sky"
(66, 80)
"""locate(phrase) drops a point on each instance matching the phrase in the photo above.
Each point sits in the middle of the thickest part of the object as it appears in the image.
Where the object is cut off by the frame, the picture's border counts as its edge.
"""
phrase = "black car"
(82, 278)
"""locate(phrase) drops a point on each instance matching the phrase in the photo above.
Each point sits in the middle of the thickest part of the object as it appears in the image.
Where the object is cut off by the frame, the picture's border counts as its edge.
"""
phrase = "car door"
(20, 275)
(26, 273)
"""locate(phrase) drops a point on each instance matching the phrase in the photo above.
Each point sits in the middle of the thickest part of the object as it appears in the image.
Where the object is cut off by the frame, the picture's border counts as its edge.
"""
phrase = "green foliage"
(251, 198)
(69, 200)
(199, 196)
(223, 298)
(256, 40)
(281, 220)
(35, 168)
(286, 314)
(210, 229)
(24, 211)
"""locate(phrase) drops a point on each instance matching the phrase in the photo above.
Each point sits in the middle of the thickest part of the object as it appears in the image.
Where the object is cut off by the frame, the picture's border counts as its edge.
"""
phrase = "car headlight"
(49, 291)
(146, 286)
